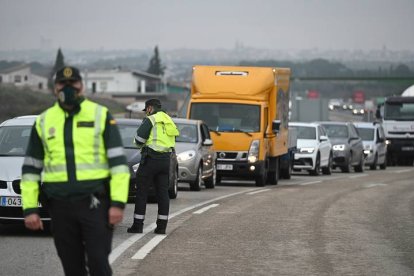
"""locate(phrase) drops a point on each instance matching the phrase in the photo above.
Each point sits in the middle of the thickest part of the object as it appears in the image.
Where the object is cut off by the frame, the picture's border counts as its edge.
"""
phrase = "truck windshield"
(366, 134)
(399, 111)
(225, 117)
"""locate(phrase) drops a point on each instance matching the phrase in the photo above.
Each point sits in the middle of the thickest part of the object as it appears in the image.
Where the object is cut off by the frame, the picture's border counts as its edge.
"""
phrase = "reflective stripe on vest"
(88, 147)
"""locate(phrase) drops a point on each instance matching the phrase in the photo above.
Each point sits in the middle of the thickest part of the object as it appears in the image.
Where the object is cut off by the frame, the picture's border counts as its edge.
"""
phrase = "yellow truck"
(246, 110)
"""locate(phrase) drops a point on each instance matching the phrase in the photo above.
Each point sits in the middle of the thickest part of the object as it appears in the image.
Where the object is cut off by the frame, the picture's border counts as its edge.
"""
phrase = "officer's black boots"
(161, 226)
(137, 226)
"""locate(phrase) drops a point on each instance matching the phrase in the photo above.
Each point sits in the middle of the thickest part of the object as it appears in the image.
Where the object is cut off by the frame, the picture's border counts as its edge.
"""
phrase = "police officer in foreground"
(75, 151)
(156, 139)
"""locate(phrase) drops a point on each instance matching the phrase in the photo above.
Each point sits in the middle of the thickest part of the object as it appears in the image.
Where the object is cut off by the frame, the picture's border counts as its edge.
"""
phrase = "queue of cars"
(321, 147)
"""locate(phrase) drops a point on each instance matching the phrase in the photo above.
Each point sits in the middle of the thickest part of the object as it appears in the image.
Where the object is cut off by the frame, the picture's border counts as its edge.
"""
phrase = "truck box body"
(239, 105)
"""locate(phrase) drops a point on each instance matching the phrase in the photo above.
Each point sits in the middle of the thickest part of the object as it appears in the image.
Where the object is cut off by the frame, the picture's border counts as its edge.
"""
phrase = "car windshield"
(228, 117)
(336, 131)
(367, 134)
(14, 140)
(127, 135)
(399, 111)
(188, 133)
(304, 132)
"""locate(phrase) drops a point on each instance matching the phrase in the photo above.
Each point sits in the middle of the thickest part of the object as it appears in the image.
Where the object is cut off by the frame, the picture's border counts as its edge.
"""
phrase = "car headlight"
(135, 167)
(387, 142)
(339, 147)
(186, 155)
(253, 155)
(307, 150)
(367, 152)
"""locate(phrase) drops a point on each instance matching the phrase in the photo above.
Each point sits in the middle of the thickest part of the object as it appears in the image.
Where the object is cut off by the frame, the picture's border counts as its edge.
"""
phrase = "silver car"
(14, 138)
(195, 154)
(375, 148)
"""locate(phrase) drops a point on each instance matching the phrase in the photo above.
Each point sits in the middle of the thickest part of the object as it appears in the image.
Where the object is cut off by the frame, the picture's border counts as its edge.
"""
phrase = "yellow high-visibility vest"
(163, 133)
(89, 151)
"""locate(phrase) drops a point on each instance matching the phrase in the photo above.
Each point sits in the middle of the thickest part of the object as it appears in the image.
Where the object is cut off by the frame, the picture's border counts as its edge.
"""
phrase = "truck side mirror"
(378, 114)
(275, 126)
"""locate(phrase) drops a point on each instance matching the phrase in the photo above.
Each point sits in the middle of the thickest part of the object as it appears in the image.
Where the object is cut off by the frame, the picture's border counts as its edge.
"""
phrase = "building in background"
(22, 76)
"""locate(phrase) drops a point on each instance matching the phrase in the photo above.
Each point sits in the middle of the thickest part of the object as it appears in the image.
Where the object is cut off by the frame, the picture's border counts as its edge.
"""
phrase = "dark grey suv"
(347, 146)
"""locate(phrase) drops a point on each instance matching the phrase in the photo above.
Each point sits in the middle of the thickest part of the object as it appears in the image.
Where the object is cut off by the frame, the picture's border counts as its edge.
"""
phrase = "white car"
(14, 138)
(314, 150)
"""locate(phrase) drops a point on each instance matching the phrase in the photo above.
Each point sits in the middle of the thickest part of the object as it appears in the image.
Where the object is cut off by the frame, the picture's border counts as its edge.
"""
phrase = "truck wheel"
(287, 172)
(261, 178)
(196, 184)
(273, 177)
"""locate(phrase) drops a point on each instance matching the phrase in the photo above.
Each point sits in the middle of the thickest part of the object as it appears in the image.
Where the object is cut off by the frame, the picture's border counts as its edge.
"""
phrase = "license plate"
(224, 167)
(10, 201)
(407, 148)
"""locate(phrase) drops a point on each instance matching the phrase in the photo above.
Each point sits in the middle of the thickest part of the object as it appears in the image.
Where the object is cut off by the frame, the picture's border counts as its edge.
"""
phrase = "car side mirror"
(276, 126)
(208, 142)
(323, 138)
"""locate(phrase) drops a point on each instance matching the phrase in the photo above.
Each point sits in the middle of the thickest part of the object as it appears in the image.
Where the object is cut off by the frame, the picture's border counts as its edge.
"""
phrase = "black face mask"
(68, 95)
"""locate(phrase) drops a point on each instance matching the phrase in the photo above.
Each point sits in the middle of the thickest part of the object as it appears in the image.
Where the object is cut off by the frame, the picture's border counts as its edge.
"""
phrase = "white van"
(375, 146)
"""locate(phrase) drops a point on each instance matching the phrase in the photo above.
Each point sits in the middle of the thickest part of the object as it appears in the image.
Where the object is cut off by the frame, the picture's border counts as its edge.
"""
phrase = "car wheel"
(328, 170)
(347, 167)
(210, 182)
(374, 164)
(317, 168)
(383, 166)
(173, 191)
(361, 164)
(196, 184)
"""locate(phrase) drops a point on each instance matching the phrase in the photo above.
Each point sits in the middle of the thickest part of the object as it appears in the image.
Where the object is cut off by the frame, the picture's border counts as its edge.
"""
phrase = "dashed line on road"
(311, 182)
(403, 171)
(202, 210)
(371, 185)
(358, 175)
(146, 249)
(256, 192)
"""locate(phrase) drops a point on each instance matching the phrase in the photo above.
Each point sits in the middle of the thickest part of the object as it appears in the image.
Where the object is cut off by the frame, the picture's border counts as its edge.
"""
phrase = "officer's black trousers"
(82, 236)
(155, 171)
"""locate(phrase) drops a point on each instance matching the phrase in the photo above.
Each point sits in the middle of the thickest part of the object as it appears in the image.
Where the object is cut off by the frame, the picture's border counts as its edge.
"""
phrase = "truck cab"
(246, 110)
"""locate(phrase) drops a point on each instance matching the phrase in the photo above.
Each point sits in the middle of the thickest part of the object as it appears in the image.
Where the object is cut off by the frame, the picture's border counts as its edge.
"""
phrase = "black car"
(347, 147)
(128, 129)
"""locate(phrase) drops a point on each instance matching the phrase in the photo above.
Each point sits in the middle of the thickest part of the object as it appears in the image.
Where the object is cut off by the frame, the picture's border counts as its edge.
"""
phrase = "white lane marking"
(403, 171)
(370, 185)
(312, 182)
(202, 210)
(259, 191)
(358, 175)
(146, 249)
(120, 249)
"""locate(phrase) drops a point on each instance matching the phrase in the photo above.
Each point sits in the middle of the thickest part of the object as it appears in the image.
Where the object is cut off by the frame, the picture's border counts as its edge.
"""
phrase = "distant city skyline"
(176, 24)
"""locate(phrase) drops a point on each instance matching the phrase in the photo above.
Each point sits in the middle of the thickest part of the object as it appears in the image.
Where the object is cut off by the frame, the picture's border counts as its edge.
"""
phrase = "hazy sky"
(271, 24)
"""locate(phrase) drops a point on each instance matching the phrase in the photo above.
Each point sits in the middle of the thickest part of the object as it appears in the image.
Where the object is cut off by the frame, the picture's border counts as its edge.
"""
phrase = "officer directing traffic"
(156, 138)
(75, 151)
